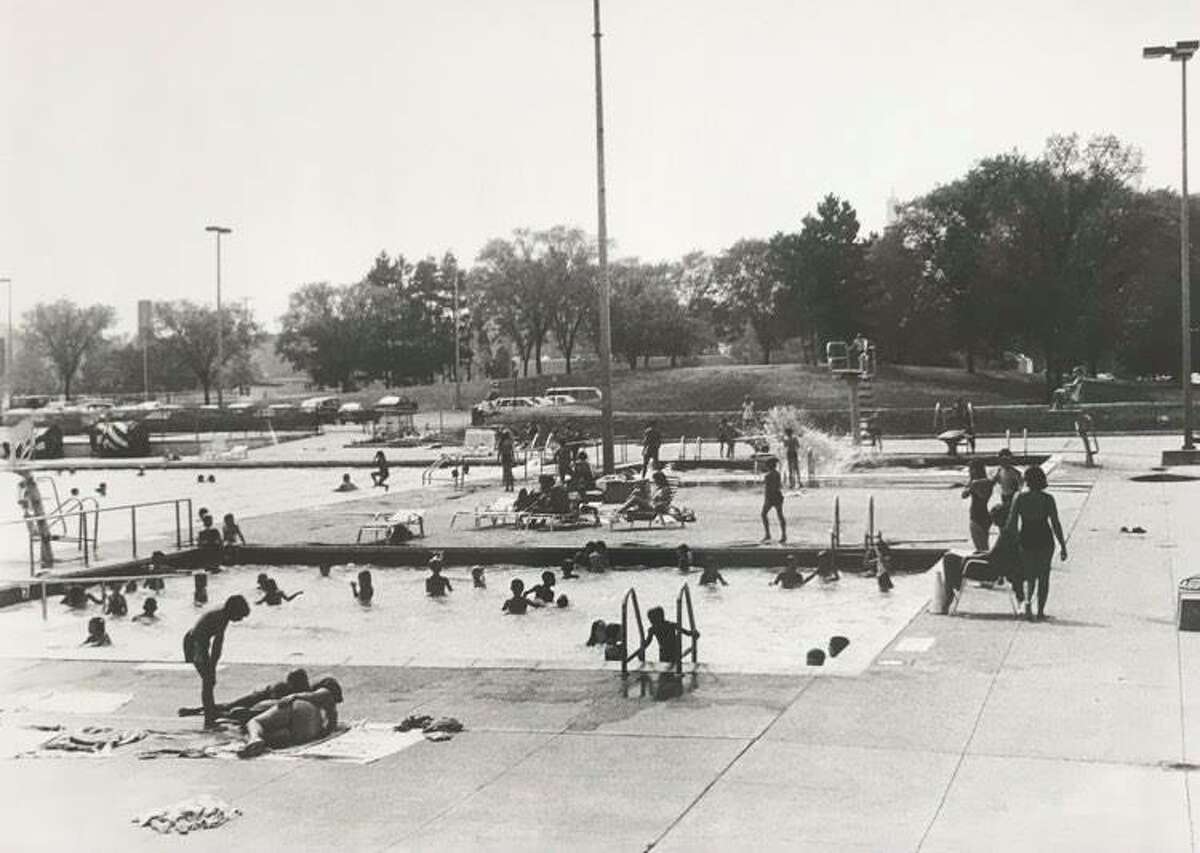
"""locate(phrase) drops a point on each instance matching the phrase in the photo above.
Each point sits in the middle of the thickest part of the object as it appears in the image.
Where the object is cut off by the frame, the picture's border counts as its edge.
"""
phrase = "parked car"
(560, 399)
(325, 408)
(353, 413)
(577, 393)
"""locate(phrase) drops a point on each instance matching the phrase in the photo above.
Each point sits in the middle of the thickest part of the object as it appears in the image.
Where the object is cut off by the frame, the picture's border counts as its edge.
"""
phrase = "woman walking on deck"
(1034, 517)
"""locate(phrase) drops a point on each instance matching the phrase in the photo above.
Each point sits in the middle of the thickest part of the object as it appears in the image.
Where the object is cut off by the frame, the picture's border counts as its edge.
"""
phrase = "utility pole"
(606, 417)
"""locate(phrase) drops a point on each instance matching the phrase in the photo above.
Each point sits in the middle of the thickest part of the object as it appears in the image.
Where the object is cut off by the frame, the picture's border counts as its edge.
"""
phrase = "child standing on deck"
(202, 648)
(773, 500)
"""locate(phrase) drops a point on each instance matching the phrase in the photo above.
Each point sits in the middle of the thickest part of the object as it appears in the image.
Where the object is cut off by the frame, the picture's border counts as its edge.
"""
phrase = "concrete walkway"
(975, 732)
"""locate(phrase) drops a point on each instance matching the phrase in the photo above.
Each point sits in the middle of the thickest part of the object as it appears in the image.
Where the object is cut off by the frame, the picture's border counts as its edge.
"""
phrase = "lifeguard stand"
(855, 365)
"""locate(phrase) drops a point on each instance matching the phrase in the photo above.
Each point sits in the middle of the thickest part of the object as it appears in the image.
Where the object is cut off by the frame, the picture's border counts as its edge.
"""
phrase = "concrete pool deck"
(966, 733)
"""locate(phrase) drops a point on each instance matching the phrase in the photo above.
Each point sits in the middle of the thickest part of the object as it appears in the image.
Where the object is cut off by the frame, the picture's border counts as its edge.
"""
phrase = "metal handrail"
(80, 513)
(631, 595)
(685, 597)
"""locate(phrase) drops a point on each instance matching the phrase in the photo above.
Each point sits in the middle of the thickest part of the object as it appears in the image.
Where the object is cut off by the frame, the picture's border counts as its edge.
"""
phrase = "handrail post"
(191, 526)
(178, 529)
(84, 536)
(133, 528)
(44, 614)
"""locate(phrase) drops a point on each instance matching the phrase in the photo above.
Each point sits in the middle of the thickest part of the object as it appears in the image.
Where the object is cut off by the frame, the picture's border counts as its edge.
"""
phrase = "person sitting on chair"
(639, 501)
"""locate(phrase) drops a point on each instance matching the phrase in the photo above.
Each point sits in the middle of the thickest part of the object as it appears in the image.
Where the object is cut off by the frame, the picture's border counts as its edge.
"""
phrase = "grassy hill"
(722, 387)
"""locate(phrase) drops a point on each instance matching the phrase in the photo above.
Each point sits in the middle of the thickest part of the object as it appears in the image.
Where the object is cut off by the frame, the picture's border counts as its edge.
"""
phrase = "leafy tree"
(571, 287)
(189, 331)
(318, 338)
(750, 290)
(67, 334)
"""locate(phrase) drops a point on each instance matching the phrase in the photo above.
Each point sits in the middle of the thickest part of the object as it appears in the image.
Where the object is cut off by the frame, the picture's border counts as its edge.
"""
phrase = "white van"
(580, 394)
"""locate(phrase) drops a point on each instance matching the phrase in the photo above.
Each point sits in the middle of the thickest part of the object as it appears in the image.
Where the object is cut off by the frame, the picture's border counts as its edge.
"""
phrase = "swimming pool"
(748, 626)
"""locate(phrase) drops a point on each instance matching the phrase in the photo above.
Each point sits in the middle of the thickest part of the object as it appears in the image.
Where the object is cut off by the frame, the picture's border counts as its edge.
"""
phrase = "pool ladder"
(683, 604)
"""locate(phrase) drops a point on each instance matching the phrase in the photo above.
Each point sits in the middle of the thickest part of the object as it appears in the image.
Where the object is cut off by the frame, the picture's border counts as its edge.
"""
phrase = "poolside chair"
(664, 513)
(982, 568)
(502, 511)
(384, 526)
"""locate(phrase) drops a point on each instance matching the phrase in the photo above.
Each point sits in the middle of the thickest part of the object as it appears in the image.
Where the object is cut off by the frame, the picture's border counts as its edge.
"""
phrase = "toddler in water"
(97, 634)
(790, 577)
(364, 590)
(478, 581)
(116, 605)
(200, 589)
(568, 569)
(614, 642)
(436, 585)
(683, 559)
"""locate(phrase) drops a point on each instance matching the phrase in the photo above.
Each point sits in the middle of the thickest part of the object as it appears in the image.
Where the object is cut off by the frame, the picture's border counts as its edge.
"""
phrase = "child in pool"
(597, 634)
(827, 568)
(666, 634)
(77, 598)
(116, 604)
(568, 570)
(544, 591)
(709, 576)
(97, 634)
(478, 580)
(208, 537)
(149, 614)
(614, 642)
(364, 590)
(200, 589)
(155, 585)
(518, 604)
(683, 559)
(273, 596)
(437, 586)
(231, 534)
(790, 577)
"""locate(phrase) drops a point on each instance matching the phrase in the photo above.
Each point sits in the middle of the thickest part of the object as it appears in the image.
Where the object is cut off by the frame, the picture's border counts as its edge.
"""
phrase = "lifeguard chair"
(854, 364)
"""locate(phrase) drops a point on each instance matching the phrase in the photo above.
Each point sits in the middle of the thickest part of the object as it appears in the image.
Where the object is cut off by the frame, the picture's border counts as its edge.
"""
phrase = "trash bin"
(940, 602)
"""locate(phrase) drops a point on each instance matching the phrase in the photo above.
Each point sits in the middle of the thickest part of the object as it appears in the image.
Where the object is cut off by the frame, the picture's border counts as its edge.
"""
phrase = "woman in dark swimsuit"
(1034, 517)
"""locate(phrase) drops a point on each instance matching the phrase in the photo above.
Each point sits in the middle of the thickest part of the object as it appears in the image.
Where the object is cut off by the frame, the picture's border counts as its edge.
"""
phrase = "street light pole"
(457, 358)
(1181, 52)
(218, 230)
(606, 419)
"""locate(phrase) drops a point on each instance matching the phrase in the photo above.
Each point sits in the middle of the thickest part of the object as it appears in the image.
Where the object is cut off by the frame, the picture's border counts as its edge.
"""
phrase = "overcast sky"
(323, 132)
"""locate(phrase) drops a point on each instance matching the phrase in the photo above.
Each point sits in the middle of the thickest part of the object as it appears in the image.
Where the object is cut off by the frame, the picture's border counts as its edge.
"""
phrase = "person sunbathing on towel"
(295, 682)
(293, 720)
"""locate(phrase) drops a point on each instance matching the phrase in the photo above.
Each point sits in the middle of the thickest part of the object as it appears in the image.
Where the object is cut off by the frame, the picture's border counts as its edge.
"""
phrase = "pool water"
(748, 626)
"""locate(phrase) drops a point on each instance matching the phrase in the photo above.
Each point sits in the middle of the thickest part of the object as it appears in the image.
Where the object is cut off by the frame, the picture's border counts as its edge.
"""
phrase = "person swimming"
(562, 602)
(568, 569)
(364, 590)
(544, 591)
(709, 576)
(518, 604)
(347, 485)
(790, 577)
(324, 569)
(614, 642)
(77, 598)
(149, 614)
(273, 596)
(436, 585)
(598, 562)
(683, 558)
(116, 605)
(200, 589)
(596, 635)
(231, 534)
(97, 634)
(478, 579)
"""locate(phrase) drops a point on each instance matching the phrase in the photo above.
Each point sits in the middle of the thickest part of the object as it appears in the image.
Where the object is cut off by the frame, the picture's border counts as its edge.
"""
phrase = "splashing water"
(833, 454)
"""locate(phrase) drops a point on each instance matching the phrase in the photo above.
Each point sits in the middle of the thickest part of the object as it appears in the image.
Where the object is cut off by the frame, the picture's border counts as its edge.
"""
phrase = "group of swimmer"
(210, 538)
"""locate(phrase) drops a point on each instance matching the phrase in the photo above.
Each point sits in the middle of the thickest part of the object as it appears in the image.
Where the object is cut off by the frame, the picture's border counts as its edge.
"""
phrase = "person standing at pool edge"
(979, 490)
(791, 445)
(773, 499)
(202, 647)
(1034, 515)
(651, 444)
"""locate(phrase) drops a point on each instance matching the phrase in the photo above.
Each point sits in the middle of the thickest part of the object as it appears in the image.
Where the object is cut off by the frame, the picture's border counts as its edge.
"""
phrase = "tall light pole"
(606, 422)
(1181, 52)
(219, 230)
(457, 357)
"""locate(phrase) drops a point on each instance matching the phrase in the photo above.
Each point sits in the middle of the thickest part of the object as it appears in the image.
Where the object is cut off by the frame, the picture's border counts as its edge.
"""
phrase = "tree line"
(1060, 256)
